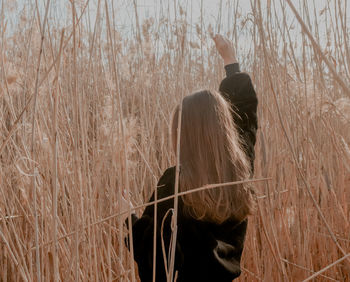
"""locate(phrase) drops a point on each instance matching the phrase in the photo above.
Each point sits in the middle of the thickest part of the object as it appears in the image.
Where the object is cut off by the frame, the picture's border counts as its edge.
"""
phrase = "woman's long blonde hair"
(211, 153)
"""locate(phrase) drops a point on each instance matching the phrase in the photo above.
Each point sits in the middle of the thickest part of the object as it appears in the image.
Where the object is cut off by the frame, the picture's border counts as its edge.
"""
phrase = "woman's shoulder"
(168, 176)
(165, 186)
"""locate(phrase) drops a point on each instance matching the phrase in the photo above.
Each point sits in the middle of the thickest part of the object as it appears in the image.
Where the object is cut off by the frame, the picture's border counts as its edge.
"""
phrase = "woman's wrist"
(229, 60)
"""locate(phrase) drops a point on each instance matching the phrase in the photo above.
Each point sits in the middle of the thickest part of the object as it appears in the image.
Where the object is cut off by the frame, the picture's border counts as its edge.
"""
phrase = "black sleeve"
(164, 189)
(239, 91)
(234, 234)
(231, 69)
(143, 233)
(230, 243)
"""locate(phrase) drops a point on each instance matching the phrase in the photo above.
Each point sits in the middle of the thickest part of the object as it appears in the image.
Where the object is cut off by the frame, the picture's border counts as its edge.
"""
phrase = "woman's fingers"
(218, 38)
(225, 48)
(221, 42)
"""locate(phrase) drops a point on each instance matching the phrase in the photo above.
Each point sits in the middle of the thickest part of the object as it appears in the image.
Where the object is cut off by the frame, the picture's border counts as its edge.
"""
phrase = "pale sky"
(124, 16)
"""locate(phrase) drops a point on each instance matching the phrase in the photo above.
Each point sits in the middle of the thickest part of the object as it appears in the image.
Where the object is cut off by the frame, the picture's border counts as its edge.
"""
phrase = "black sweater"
(204, 251)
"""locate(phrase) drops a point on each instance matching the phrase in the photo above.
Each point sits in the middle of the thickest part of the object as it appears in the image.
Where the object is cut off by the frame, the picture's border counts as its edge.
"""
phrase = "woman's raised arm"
(238, 90)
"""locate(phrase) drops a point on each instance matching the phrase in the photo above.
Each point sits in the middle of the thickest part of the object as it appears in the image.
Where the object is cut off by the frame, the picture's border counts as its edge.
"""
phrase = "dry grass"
(84, 116)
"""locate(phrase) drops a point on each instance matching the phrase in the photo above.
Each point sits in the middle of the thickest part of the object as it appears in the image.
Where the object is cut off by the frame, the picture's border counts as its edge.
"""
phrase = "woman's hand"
(225, 49)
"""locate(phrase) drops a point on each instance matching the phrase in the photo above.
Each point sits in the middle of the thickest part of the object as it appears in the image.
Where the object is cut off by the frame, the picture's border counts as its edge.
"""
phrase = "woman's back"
(211, 223)
(196, 240)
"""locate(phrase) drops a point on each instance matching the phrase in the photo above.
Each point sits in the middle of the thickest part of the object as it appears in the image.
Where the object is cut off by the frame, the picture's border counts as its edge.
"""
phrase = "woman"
(216, 146)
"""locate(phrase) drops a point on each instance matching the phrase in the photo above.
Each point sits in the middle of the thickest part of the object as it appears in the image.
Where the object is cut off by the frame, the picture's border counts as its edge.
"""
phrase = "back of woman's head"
(211, 153)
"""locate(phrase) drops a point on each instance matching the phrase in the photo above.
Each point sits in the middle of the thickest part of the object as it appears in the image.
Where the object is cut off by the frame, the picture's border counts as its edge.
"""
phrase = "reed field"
(85, 108)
